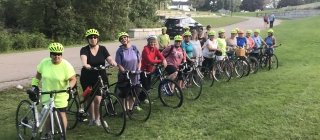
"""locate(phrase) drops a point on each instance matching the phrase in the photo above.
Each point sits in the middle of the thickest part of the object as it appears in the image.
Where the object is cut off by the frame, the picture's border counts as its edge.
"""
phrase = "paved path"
(18, 68)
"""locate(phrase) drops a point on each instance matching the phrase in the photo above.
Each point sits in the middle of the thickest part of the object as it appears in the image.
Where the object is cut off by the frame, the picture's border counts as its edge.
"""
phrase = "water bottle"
(87, 91)
(44, 110)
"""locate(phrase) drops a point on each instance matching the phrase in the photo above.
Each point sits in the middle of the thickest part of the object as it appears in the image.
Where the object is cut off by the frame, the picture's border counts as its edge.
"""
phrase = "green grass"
(218, 21)
(277, 104)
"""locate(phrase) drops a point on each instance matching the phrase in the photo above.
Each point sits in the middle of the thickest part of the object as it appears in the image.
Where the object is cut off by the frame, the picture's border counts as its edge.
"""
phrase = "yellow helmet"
(92, 32)
(234, 31)
(211, 33)
(249, 32)
(257, 31)
(56, 47)
(187, 33)
(164, 28)
(178, 38)
(270, 31)
(122, 34)
(221, 31)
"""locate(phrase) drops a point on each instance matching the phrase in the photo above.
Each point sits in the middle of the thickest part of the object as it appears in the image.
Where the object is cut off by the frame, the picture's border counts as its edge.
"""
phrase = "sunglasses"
(55, 54)
(178, 41)
(92, 37)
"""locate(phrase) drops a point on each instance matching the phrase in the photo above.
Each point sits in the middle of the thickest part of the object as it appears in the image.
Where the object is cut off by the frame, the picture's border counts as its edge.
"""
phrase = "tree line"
(67, 20)
(247, 5)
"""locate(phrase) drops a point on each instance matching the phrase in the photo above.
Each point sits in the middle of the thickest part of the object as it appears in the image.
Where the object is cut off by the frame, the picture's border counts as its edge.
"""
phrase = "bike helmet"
(56, 48)
(221, 31)
(208, 26)
(211, 33)
(92, 32)
(152, 37)
(186, 28)
(249, 32)
(178, 38)
(237, 29)
(187, 33)
(164, 28)
(122, 34)
(257, 31)
(270, 31)
(234, 31)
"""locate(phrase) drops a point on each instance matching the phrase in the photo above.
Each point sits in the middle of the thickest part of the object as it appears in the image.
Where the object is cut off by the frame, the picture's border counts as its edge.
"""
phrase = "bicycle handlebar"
(101, 67)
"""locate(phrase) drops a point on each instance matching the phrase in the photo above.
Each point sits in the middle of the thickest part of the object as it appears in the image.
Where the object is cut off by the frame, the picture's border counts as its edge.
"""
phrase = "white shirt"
(197, 50)
(209, 44)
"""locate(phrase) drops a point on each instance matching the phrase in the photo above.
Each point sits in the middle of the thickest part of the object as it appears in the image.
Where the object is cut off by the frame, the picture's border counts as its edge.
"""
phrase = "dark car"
(175, 25)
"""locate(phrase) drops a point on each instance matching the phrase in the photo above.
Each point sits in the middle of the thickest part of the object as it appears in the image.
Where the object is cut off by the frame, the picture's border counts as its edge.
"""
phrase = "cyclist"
(270, 41)
(164, 39)
(128, 59)
(209, 48)
(174, 55)
(55, 73)
(232, 43)
(241, 40)
(197, 50)
(258, 42)
(206, 35)
(187, 46)
(250, 41)
(222, 45)
(93, 55)
(150, 55)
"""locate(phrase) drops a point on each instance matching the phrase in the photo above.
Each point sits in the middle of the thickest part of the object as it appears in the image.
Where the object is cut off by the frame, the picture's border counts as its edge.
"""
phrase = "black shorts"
(170, 69)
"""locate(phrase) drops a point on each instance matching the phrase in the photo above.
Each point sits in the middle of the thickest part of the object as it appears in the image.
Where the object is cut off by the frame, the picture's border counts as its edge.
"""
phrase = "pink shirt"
(176, 57)
(250, 42)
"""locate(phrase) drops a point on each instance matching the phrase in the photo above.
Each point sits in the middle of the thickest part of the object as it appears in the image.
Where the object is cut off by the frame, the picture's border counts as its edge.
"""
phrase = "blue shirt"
(241, 41)
(269, 41)
(188, 48)
(257, 43)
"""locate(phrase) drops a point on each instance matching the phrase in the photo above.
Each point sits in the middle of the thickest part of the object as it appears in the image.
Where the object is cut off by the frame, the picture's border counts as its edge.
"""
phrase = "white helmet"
(152, 37)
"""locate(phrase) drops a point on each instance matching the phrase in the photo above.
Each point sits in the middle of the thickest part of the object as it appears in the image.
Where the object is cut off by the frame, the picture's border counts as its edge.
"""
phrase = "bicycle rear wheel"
(170, 93)
(153, 92)
(142, 104)
(112, 114)
(25, 120)
(239, 68)
(72, 113)
(58, 132)
(254, 65)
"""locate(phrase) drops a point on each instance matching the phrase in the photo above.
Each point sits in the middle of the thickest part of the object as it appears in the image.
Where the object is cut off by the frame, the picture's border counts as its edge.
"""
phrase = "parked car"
(175, 25)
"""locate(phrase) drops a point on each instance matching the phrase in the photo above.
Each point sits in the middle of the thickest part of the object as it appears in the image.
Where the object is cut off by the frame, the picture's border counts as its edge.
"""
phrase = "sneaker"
(91, 122)
(138, 108)
(98, 123)
(146, 101)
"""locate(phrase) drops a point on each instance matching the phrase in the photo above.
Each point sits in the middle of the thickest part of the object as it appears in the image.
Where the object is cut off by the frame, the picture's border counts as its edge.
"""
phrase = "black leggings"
(208, 62)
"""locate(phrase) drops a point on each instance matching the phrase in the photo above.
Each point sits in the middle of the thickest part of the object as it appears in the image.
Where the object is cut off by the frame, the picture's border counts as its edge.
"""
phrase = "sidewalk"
(18, 68)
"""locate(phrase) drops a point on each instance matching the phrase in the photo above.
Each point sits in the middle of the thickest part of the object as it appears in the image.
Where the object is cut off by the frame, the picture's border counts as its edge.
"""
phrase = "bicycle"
(140, 109)
(112, 113)
(32, 125)
(267, 58)
(192, 81)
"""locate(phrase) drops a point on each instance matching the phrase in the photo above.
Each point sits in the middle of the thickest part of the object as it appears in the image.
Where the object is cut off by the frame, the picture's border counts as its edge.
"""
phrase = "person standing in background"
(271, 20)
(164, 39)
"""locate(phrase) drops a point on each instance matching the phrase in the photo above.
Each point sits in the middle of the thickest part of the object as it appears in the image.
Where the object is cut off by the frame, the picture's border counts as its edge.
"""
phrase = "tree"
(284, 3)
(252, 5)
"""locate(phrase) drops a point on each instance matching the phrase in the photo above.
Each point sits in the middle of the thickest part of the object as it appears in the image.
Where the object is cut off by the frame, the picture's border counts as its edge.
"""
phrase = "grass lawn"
(278, 104)
(218, 21)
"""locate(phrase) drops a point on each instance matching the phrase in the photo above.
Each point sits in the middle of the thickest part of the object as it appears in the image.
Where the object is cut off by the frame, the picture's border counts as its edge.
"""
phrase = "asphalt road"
(19, 68)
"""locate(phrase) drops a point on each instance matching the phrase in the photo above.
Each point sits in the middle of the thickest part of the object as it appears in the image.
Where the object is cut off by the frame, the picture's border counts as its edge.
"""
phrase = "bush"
(38, 40)
(146, 23)
(5, 41)
(21, 41)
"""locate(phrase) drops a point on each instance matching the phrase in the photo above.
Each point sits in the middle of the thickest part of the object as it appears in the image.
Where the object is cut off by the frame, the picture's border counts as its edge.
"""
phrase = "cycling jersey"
(55, 77)
(250, 42)
(241, 41)
(257, 43)
(222, 45)
(209, 44)
(188, 48)
(270, 41)
(176, 56)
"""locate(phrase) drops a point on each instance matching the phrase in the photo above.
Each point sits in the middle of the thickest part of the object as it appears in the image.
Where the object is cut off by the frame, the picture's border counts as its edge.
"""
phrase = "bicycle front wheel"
(55, 132)
(142, 104)
(72, 113)
(170, 93)
(192, 86)
(273, 62)
(25, 120)
(112, 114)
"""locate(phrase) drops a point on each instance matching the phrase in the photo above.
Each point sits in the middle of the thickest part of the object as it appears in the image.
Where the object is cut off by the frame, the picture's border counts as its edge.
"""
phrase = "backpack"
(134, 49)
